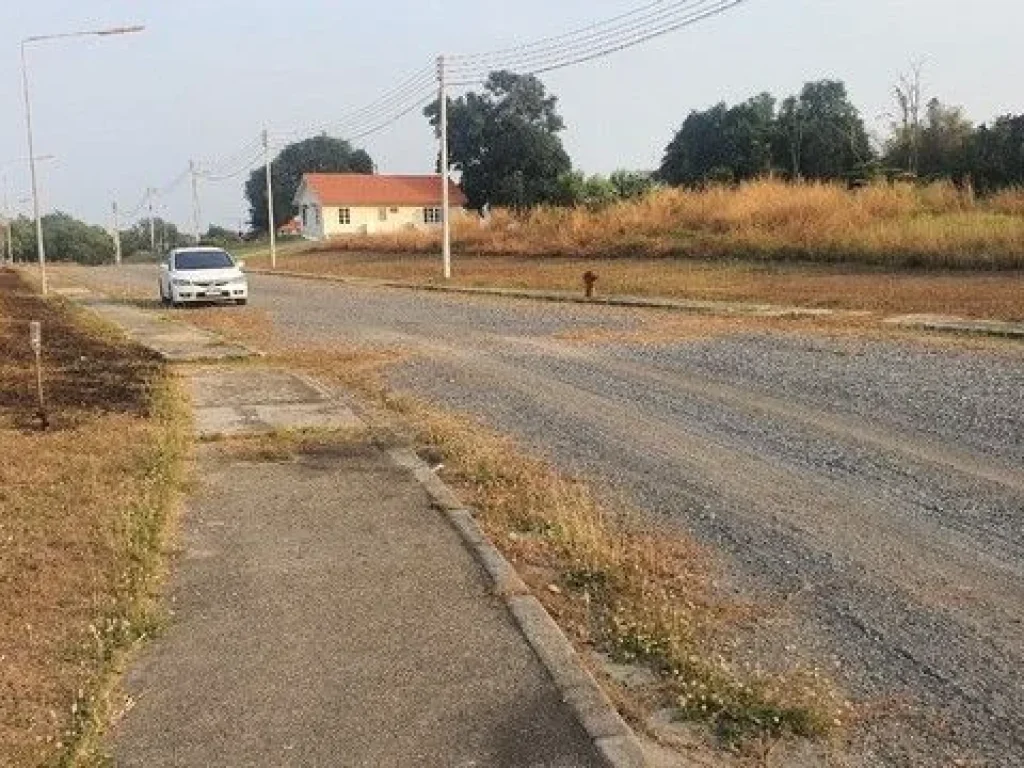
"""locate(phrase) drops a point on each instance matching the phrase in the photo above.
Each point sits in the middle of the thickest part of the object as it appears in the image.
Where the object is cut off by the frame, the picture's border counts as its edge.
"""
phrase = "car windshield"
(203, 260)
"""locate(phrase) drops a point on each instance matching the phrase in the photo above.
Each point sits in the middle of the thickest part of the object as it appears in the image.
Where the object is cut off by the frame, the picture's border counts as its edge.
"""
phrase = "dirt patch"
(85, 509)
(87, 367)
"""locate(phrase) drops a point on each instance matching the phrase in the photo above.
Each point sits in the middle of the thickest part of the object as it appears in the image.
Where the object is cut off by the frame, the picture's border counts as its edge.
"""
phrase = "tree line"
(505, 144)
(70, 239)
(820, 135)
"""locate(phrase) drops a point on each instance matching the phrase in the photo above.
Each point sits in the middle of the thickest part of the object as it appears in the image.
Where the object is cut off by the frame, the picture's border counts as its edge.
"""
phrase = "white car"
(202, 275)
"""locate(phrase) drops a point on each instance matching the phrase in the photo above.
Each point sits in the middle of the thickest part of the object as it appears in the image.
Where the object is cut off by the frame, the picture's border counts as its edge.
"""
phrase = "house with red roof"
(332, 204)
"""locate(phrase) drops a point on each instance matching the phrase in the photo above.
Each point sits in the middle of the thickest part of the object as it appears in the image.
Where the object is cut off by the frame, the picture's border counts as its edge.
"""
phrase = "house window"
(431, 215)
(316, 215)
(344, 215)
(382, 214)
(394, 210)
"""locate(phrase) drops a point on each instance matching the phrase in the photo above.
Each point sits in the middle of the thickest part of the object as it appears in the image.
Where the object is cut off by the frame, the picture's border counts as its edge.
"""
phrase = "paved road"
(876, 486)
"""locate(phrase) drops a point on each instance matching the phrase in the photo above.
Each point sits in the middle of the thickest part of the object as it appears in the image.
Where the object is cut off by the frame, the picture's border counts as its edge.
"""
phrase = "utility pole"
(195, 200)
(271, 224)
(117, 238)
(446, 232)
(152, 224)
(40, 247)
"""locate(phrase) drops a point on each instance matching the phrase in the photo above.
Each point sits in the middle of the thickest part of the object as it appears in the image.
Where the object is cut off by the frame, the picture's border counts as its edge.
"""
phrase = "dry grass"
(642, 596)
(889, 225)
(971, 294)
(83, 520)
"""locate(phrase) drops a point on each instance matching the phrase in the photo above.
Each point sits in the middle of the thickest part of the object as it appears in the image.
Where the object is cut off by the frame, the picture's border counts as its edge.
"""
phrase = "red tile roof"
(368, 190)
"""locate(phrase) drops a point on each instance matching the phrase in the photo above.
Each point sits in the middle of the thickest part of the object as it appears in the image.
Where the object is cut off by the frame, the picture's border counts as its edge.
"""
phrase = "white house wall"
(313, 224)
(366, 220)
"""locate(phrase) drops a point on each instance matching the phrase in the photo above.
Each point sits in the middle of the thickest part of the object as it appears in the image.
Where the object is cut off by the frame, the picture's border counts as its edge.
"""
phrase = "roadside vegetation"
(86, 505)
(882, 225)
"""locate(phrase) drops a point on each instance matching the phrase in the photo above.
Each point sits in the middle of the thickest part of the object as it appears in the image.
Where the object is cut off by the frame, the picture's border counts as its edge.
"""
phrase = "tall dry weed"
(893, 224)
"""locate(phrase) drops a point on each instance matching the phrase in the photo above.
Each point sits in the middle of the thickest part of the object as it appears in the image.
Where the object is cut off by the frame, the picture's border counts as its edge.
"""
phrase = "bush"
(66, 239)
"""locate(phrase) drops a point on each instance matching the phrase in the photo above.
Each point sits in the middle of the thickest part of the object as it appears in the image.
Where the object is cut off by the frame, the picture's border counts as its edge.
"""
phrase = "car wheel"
(241, 302)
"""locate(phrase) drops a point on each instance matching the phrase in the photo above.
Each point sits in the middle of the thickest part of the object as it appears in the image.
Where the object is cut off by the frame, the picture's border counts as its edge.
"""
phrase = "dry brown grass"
(889, 225)
(643, 596)
(84, 510)
(971, 294)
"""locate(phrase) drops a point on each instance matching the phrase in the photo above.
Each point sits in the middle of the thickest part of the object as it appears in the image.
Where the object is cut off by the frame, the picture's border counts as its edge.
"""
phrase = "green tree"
(505, 142)
(996, 153)
(66, 239)
(631, 184)
(319, 154)
(222, 237)
(597, 191)
(821, 134)
(722, 144)
(135, 240)
(938, 147)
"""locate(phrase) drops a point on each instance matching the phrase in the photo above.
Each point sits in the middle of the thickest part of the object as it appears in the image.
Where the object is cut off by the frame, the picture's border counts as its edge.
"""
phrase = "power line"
(536, 59)
(232, 174)
(584, 36)
(555, 38)
(409, 87)
(232, 160)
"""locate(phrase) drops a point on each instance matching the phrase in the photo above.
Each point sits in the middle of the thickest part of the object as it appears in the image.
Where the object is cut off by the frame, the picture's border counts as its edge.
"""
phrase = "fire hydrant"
(589, 278)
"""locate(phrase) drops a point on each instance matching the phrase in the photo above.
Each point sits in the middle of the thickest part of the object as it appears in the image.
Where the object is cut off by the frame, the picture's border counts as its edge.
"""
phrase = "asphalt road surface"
(877, 487)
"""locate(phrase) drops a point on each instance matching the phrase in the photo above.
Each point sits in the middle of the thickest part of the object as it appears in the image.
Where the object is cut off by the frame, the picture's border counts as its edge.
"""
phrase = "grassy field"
(888, 248)
(901, 225)
(85, 506)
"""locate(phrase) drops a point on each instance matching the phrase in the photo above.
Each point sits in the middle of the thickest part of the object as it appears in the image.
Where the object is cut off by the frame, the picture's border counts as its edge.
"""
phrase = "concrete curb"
(637, 302)
(614, 739)
(962, 325)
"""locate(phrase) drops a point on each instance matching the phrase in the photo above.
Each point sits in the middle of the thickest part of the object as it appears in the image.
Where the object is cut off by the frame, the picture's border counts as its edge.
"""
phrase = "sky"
(120, 114)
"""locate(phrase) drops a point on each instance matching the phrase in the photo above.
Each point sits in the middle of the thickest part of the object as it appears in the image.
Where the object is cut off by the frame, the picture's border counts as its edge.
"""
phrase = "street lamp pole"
(40, 247)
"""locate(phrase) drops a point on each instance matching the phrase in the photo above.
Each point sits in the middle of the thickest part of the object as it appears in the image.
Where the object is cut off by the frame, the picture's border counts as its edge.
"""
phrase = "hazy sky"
(124, 113)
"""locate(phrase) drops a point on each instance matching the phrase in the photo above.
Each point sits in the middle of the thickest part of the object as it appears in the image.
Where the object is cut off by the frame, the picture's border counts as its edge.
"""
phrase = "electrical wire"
(609, 41)
(595, 32)
(410, 87)
(232, 174)
(232, 160)
(392, 120)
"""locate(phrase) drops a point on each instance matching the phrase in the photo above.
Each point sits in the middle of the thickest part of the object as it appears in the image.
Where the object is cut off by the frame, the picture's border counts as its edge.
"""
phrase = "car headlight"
(181, 281)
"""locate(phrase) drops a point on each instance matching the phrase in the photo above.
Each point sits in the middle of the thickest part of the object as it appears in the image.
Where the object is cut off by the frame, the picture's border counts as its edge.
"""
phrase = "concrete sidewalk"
(326, 615)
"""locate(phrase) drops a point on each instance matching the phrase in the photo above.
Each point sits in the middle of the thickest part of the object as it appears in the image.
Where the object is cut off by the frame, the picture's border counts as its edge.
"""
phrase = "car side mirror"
(240, 264)
(163, 266)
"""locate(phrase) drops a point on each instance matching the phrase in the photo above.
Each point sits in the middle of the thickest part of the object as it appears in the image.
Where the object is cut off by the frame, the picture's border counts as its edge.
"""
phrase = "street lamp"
(40, 248)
